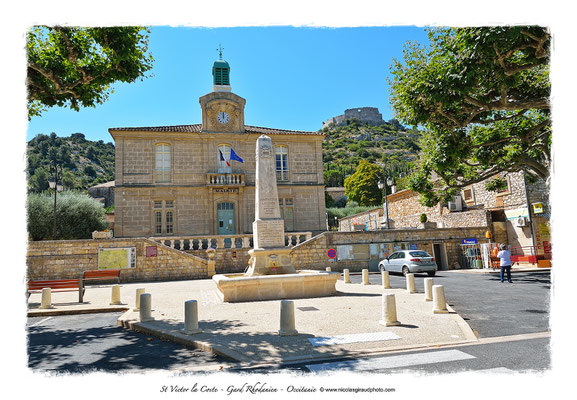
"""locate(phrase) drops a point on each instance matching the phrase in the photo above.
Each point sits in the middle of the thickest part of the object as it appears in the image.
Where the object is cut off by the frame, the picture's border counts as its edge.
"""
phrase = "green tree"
(77, 216)
(75, 67)
(362, 186)
(482, 97)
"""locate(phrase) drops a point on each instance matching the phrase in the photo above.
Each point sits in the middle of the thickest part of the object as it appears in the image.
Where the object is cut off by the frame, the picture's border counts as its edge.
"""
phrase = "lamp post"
(383, 185)
(336, 222)
(56, 185)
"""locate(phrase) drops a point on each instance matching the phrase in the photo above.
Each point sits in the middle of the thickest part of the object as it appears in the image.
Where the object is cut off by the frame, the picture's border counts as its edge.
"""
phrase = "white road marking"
(373, 364)
(353, 338)
(41, 321)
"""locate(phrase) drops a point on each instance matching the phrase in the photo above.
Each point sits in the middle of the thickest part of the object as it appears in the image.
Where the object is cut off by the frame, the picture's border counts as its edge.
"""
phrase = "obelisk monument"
(270, 255)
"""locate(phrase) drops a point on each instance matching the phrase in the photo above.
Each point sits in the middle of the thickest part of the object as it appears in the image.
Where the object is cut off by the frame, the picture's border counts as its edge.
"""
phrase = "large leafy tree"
(75, 67)
(362, 186)
(481, 95)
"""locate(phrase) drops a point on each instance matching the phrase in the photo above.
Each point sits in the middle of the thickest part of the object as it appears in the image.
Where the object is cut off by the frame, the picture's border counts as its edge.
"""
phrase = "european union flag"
(233, 156)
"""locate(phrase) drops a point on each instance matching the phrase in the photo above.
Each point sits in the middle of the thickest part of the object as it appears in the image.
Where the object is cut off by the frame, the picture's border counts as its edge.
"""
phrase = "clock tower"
(222, 110)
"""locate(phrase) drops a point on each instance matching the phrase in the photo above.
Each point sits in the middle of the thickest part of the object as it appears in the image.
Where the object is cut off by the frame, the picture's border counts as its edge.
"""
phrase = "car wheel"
(432, 273)
(382, 267)
(405, 271)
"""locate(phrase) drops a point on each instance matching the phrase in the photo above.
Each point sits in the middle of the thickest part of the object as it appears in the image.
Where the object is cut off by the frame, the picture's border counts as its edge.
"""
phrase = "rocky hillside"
(391, 146)
(85, 163)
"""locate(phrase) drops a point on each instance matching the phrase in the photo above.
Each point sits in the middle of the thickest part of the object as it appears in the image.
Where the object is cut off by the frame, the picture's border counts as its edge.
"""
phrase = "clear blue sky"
(291, 78)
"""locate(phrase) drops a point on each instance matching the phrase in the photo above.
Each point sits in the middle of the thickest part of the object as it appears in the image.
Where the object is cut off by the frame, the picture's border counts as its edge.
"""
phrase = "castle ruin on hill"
(369, 115)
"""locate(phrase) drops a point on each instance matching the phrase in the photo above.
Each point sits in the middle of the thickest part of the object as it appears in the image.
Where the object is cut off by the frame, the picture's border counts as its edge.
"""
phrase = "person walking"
(505, 262)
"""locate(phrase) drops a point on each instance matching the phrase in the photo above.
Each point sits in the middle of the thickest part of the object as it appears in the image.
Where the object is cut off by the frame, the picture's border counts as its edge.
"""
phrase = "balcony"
(225, 179)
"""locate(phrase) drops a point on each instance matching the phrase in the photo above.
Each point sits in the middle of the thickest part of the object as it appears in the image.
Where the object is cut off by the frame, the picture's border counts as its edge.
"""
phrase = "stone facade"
(495, 211)
(173, 181)
(369, 115)
(103, 192)
(67, 259)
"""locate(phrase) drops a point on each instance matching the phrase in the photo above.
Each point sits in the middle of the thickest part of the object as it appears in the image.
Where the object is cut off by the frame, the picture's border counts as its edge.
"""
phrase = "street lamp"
(382, 185)
(336, 222)
(56, 185)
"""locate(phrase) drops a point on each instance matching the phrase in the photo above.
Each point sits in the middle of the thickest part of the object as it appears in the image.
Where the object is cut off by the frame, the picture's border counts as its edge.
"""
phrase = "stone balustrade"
(218, 242)
(229, 179)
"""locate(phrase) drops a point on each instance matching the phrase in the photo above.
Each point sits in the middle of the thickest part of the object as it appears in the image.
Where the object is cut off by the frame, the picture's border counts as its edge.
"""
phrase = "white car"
(409, 261)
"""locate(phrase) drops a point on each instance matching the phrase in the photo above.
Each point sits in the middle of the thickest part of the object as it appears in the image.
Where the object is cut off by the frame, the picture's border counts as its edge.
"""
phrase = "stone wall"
(312, 254)
(67, 259)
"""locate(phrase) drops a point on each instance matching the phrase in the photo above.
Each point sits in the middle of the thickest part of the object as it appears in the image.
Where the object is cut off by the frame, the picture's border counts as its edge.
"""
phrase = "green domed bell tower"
(221, 74)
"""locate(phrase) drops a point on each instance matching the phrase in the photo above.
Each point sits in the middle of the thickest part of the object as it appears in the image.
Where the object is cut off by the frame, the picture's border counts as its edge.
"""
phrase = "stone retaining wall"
(67, 259)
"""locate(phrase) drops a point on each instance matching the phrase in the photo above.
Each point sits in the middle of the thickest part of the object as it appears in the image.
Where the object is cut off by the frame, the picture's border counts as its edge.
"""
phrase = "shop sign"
(470, 241)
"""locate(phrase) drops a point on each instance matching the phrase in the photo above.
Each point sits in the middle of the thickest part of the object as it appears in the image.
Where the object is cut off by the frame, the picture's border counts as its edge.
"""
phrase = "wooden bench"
(101, 275)
(60, 285)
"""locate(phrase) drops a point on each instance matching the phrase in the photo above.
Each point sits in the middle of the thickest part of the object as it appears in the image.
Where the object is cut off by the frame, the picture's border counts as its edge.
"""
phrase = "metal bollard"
(428, 289)
(347, 277)
(328, 269)
(385, 279)
(439, 303)
(146, 307)
(287, 318)
(191, 317)
(366, 277)
(411, 283)
(139, 291)
(46, 299)
(115, 300)
(389, 310)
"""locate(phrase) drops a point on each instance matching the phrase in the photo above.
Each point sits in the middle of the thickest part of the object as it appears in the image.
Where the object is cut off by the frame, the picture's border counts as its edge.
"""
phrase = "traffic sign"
(331, 253)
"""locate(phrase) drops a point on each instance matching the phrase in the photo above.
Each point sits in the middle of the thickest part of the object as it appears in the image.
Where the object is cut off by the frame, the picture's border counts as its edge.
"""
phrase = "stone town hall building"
(189, 180)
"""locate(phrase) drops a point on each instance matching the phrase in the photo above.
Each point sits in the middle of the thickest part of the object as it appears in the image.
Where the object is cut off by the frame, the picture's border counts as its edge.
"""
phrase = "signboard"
(470, 241)
(331, 253)
(116, 258)
(537, 208)
(151, 251)
(413, 247)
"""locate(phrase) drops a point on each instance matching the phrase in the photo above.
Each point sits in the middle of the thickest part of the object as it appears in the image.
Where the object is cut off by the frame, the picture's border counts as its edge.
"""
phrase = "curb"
(54, 312)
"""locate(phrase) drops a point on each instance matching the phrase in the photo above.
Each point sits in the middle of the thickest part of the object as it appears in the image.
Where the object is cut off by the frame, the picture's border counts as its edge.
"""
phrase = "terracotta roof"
(197, 128)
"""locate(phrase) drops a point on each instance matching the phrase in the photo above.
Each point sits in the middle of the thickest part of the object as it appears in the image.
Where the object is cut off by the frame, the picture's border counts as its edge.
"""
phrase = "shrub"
(77, 216)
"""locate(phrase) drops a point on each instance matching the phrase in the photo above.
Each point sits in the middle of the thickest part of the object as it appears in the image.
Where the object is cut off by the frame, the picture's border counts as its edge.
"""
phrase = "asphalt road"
(93, 342)
(490, 307)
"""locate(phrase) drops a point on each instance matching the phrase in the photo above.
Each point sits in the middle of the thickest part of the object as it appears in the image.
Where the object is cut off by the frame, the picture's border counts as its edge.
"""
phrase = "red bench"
(60, 285)
(101, 275)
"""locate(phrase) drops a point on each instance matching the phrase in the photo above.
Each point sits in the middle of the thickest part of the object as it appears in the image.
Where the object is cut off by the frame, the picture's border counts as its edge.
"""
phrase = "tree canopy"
(482, 97)
(362, 186)
(75, 67)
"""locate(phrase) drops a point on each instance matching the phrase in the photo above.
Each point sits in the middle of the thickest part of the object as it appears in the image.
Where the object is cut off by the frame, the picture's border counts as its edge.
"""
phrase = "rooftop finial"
(220, 49)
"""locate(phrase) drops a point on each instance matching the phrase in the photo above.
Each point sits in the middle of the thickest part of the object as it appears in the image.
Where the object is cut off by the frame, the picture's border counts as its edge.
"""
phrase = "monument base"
(303, 284)
(274, 261)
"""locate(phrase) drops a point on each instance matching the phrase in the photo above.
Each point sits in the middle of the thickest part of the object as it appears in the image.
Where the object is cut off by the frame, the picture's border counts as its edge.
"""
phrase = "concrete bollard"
(46, 299)
(347, 277)
(146, 307)
(287, 318)
(428, 289)
(439, 303)
(191, 317)
(139, 291)
(366, 277)
(328, 269)
(115, 300)
(411, 283)
(389, 308)
(385, 279)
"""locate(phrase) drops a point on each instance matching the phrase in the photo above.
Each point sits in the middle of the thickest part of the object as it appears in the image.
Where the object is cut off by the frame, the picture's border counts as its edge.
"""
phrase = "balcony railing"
(224, 179)
(187, 243)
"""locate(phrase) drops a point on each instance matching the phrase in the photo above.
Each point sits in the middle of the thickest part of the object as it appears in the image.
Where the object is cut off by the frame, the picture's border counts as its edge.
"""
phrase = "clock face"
(223, 117)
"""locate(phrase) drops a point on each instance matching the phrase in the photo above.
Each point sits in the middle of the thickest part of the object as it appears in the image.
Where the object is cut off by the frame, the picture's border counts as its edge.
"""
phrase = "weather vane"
(220, 49)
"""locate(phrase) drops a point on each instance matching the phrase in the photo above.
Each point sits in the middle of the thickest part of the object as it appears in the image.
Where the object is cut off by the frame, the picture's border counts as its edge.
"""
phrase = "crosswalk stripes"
(379, 363)
(353, 338)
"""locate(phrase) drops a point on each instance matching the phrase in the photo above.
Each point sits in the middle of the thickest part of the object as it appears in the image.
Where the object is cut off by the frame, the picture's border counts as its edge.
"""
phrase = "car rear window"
(419, 254)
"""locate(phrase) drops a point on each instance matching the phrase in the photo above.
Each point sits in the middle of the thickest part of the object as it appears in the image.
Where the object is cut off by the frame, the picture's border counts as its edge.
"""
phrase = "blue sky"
(291, 78)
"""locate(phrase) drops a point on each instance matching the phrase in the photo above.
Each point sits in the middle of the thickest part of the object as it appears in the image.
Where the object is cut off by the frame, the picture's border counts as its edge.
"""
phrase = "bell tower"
(222, 110)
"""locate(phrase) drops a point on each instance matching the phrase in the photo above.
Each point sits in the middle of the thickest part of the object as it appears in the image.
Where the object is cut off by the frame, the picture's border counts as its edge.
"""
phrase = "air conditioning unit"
(456, 204)
(521, 221)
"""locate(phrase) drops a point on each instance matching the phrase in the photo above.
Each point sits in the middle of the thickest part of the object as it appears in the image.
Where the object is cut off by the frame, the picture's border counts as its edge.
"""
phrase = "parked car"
(409, 261)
